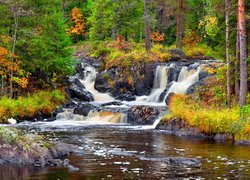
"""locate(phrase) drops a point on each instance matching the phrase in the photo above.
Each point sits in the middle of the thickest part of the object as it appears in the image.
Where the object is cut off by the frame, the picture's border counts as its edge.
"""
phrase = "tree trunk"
(236, 71)
(227, 7)
(243, 53)
(15, 14)
(180, 22)
(146, 26)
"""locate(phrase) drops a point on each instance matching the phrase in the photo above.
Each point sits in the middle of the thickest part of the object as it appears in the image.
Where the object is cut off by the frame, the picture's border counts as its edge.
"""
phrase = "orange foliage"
(157, 37)
(7, 66)
(191, 39)
(78, 21)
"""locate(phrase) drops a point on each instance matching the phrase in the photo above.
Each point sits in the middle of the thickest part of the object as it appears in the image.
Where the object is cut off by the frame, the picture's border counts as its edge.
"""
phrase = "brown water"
(111, 153)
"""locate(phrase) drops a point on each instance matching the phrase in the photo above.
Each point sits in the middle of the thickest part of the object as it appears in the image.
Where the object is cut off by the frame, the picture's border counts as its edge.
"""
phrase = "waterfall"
(185, 80)
(160, 83)
(89, 83)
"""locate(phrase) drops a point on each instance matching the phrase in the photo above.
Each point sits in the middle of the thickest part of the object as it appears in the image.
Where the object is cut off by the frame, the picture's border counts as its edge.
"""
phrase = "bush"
(211, 120)
(28, 107)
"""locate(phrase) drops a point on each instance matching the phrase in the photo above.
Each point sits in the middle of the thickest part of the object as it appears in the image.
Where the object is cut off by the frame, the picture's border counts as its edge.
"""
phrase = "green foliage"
(42, 43)
(27, 107)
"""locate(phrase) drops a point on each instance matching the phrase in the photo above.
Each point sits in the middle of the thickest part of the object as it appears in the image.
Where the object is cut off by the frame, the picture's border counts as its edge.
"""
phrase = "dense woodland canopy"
(37, 36)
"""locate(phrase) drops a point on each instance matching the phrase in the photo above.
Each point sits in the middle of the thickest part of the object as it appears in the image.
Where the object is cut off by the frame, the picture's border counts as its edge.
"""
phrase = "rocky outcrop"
(32, 150)
(77, 91)
(142, 115)
(180, 128)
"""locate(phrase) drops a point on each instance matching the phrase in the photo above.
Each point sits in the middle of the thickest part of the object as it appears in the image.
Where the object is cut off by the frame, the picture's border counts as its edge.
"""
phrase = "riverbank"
(38, 104)
(29, 149)
(190, 118)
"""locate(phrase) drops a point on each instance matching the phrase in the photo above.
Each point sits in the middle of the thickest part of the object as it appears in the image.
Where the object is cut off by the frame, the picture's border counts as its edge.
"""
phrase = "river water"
(114, 153)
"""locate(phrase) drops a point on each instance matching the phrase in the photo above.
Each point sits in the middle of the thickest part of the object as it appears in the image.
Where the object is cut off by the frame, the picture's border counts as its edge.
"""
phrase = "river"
(114, 153)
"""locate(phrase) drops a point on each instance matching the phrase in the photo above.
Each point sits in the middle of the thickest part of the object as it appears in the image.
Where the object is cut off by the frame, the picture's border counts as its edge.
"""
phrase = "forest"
(187, 57)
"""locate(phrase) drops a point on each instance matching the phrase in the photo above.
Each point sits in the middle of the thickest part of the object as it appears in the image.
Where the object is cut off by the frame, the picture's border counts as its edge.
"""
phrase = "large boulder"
(30, 149)
(84, 109)
(78, 91)
(142, 115)
(101, 82)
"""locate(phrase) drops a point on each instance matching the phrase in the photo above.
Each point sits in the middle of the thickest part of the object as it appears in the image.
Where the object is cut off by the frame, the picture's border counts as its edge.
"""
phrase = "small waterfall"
(94, 117)
(185, 80)
(160, 83)
(89, 83)
(106, 117)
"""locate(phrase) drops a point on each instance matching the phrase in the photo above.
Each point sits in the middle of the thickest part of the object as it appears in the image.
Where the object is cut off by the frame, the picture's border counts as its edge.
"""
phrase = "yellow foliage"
(209, 120)
(27, 107)
(78, 21)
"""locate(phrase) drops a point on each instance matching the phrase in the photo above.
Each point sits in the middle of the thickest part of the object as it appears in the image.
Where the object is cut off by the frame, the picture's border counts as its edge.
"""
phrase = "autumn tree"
(78, 28)
(180, 22)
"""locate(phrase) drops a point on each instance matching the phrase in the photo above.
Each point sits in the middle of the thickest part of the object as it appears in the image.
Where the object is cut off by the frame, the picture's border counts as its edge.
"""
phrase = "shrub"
(211, 120)
(27, 107)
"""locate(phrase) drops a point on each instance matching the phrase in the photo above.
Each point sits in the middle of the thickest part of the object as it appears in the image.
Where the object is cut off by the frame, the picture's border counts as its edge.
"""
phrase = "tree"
(243, 52)
(146, 26)
(236, 68)
(227, 10)
(180, 22)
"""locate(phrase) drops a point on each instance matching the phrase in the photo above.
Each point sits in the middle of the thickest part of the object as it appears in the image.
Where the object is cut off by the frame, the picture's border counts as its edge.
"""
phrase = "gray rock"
(84, 109)
(77, 90)
(142, 115)
(243, 143)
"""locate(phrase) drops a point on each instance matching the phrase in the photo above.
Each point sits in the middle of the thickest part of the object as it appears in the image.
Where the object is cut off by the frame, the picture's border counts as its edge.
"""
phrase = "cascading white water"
(89, 83)
(160, 83)
(185, 80)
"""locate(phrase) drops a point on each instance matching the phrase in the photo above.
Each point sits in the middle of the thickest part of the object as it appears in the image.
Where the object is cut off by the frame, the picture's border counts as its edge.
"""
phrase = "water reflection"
(121, 154)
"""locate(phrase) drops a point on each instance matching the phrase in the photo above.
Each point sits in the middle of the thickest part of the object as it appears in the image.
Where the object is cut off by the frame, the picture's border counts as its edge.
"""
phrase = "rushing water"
(114, 153)
(109, 148)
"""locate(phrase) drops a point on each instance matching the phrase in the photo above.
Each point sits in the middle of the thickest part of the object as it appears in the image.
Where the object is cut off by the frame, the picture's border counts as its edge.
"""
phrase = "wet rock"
(243, 143)
(77, 90)
(142, 115)
(180, 128)
(190, 132)
(203, 75)
(103, 78)
(192, 89)
(140, 88)
(220, 137)
(115, 103)
(176, 161)
(168, 99)
(173, 73)
(128, 96)
(84, 109)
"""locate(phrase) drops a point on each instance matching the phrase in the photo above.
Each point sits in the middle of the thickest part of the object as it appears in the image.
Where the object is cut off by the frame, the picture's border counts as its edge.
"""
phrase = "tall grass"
(211, 120)
(27, 107)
